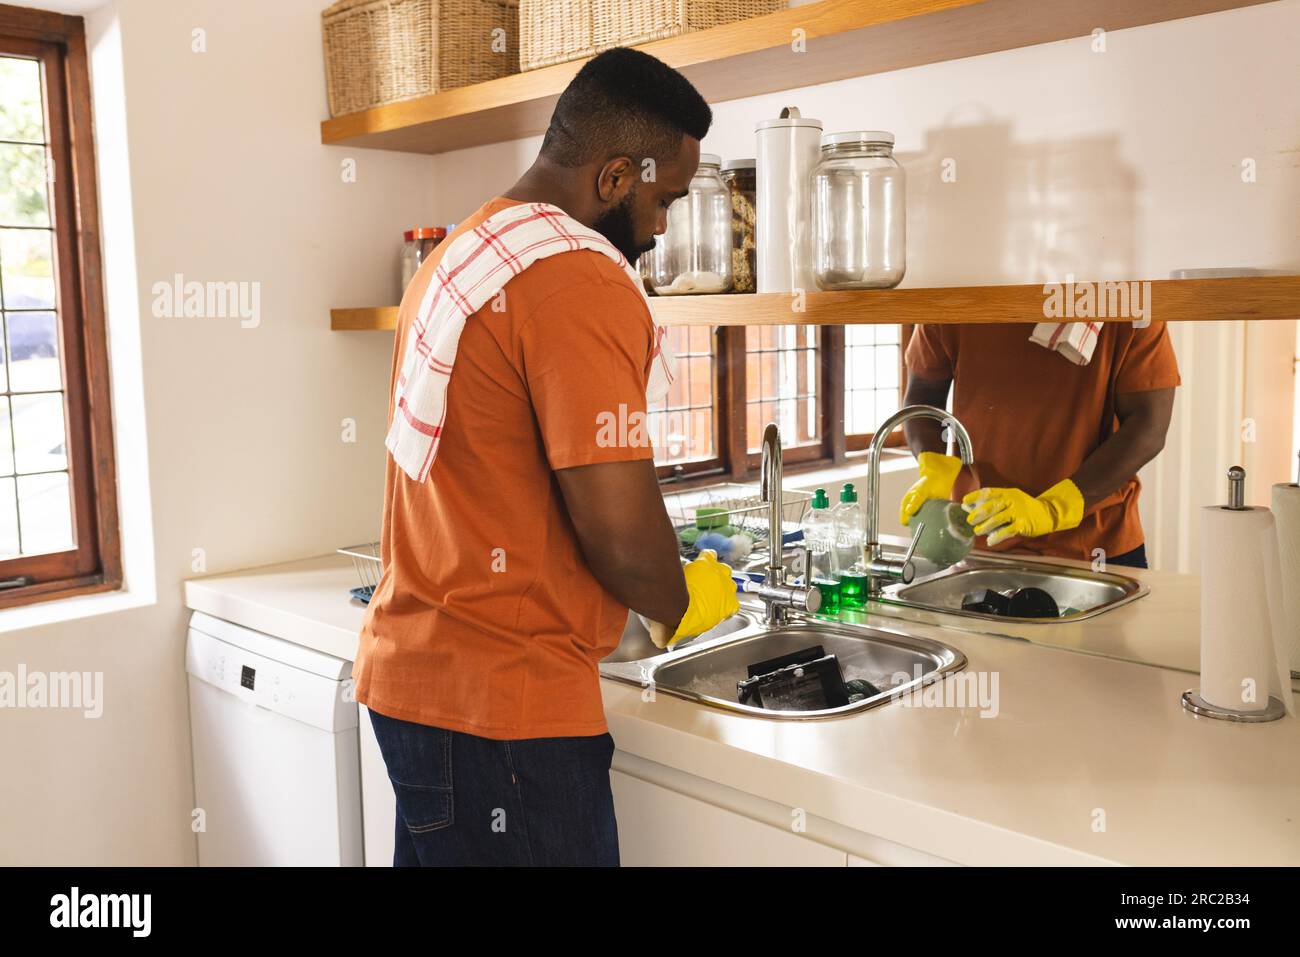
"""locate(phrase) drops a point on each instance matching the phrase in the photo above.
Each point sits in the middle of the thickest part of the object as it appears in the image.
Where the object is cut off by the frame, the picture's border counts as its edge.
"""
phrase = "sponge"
(710, 517)
(718, 543)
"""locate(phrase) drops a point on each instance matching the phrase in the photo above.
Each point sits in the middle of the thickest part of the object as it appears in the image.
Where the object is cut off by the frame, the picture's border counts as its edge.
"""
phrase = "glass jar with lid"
(429, 237)
(859, 213)
(409, 260)
(742, 180)
(693, 255)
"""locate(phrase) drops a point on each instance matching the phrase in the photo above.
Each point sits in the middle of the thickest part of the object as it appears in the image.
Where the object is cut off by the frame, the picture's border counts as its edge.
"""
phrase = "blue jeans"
(1134, 559)
(463, 800)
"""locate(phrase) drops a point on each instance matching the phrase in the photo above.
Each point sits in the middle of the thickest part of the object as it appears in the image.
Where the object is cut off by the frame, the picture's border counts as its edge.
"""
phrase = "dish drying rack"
(743, 508)
(366, 560)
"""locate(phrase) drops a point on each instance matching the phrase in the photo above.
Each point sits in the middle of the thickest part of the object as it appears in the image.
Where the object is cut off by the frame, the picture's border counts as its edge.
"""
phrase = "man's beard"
(615, 224)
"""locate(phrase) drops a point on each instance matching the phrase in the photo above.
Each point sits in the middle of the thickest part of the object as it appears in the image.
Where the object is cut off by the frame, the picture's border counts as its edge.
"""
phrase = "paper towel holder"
(1194, 703)
(1192, 700)
(1236, 489)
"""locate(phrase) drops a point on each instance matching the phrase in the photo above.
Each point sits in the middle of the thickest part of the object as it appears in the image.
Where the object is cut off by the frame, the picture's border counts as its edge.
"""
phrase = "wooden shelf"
(377, 319)
(1171, 300)
(845, 38)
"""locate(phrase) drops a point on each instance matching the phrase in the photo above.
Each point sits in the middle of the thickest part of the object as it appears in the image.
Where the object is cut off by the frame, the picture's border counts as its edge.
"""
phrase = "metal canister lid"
(790, 116)
(750, 163)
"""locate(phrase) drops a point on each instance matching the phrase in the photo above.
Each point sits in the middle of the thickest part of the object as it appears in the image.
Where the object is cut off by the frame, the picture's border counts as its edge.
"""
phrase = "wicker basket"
(383, 51)
(553, 31)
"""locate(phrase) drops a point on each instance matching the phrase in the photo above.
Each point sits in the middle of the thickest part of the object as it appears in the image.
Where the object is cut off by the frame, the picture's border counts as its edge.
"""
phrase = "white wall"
(219, 175)
(1109, 165)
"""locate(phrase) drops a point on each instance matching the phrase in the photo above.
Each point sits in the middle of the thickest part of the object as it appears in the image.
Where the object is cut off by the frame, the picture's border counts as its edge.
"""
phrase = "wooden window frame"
(58, 41)
(859, 441)
(713, 469)
(733, 461)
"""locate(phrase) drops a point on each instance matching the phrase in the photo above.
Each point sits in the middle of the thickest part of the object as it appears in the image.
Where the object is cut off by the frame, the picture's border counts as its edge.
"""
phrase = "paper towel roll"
(1286, 513)
(1241, 607)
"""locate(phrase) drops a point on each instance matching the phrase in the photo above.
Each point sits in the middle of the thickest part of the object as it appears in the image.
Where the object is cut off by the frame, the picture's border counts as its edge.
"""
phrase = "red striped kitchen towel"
(1074, 340)
(470, 273)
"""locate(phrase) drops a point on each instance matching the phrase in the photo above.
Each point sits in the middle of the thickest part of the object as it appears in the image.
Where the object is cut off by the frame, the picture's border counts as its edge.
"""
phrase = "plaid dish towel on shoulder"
(471, 272)
(1074, 340)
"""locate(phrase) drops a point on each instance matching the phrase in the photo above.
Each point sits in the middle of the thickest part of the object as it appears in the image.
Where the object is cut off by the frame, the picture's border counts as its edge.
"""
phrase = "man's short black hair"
(624, 103)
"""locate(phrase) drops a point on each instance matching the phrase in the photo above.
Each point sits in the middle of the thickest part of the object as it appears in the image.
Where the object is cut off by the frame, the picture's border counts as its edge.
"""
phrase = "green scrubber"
(710, 517)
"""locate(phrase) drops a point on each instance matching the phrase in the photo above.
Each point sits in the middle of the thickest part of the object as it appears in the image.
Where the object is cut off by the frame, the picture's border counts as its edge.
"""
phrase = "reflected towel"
(1074, 340)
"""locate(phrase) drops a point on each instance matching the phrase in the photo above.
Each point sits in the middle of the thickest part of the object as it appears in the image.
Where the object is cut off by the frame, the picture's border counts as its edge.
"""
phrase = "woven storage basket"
(553, 31)
(383, 51)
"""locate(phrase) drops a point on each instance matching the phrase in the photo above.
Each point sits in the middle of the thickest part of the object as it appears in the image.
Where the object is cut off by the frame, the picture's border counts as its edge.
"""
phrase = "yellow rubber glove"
(1008, 512)
(938, 476)
(713, 598)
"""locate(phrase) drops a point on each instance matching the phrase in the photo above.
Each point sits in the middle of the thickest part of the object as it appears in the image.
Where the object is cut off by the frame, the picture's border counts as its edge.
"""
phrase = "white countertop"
(1082, 741)
(304, 602)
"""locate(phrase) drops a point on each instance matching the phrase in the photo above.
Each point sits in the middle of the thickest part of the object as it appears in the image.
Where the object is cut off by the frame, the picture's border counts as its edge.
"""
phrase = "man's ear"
(616, 177)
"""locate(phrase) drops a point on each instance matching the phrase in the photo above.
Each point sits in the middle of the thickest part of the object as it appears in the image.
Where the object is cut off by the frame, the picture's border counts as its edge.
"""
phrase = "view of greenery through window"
(35, 503)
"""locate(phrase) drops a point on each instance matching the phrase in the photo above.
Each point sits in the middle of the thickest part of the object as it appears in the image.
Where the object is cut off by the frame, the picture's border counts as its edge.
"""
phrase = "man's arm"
(1143, 423)
(925, 435)
(626, 537)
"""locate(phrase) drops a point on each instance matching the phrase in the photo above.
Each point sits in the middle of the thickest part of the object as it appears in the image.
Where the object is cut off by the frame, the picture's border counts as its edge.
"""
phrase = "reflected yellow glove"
(1008, 512)
(938, 475)
(713, 598)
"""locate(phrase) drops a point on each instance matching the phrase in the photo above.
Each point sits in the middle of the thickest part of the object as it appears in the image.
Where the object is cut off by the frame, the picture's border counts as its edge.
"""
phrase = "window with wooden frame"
(684, 425)
(875, 379)
(58, 500)
(826, 387)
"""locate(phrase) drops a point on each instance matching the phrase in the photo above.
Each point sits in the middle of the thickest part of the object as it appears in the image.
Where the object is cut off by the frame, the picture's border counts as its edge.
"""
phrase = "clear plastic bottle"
(819, 536)
(848, 529)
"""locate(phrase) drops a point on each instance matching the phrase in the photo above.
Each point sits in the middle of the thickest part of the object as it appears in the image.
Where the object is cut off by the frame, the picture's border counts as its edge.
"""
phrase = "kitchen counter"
(1089, 760)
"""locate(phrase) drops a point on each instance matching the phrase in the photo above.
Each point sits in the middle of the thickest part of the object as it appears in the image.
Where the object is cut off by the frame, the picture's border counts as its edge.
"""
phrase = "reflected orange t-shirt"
(487, 618)
(1034, 416)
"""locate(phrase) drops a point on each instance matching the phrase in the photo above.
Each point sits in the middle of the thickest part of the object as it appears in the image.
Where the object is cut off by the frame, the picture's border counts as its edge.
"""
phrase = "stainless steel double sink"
(1079, 592)
(706, 669)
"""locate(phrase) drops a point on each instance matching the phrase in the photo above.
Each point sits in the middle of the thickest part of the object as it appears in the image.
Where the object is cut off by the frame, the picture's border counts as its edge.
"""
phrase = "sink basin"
(1085, 592)
(707, 670)
(636, 644)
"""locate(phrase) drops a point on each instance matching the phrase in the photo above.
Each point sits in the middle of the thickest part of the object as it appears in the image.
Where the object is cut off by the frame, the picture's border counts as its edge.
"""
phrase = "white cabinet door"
(378, 803)
(658, 827)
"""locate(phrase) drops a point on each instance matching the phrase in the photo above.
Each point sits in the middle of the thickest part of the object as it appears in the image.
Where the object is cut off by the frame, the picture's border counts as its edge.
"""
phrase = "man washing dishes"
(1061, 415)
(515, 537)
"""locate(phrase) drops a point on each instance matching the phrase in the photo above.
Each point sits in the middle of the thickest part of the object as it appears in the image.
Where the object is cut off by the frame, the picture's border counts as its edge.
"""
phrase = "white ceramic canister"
(788, 150)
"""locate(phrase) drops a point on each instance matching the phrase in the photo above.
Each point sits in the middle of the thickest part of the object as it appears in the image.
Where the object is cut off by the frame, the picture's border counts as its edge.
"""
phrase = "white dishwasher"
(276, 762)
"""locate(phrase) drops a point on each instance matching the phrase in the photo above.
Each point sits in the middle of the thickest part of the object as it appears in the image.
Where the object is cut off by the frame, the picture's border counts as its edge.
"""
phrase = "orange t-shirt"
(487, 619)
(1034, 416)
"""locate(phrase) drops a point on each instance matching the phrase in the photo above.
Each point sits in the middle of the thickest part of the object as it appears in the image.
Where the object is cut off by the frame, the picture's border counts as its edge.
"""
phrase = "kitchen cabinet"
(660, 827)
(378, 803)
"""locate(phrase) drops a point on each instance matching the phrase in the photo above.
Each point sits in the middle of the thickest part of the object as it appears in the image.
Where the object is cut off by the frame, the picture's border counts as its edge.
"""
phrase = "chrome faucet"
(777, 596)
(879, 568)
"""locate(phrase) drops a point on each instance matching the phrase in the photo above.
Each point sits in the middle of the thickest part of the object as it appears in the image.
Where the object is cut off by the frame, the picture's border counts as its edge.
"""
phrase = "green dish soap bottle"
(849, 537)
(819, 537)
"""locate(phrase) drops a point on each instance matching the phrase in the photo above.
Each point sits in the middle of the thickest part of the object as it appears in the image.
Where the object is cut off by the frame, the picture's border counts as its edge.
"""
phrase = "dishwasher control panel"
(274, 685)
